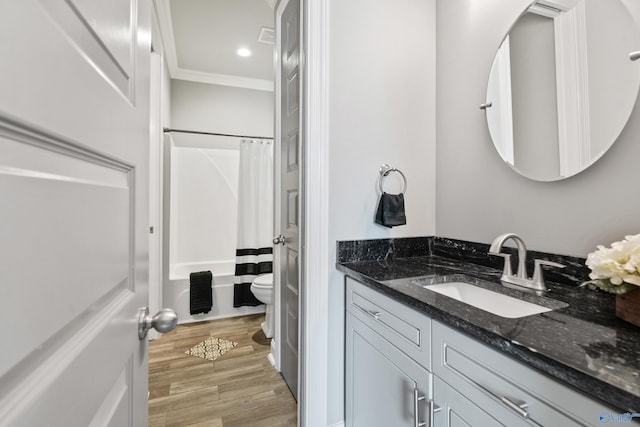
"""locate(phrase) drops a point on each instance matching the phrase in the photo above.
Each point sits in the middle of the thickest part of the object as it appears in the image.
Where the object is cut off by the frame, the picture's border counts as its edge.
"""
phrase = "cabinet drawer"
(407, 329)
(500, 384)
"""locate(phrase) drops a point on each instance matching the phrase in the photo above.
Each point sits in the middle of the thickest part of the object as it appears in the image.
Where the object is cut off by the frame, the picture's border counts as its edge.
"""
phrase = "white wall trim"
(163, 14)
(313, 411)
(155, 189)
(560, 5)
(221, 79)
(277, 201)
(273, 355)
(543, 11)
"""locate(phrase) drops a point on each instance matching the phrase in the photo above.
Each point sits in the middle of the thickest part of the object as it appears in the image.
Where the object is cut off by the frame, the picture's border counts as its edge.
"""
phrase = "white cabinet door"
(456, 410)
(74, 125)
(380, 381)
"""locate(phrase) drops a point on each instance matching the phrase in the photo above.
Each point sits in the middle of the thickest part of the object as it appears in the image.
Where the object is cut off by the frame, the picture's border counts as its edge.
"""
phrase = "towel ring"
(385, 170)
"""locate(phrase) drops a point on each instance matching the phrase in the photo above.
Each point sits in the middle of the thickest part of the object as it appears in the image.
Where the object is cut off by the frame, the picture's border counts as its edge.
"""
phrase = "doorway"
(183, 81)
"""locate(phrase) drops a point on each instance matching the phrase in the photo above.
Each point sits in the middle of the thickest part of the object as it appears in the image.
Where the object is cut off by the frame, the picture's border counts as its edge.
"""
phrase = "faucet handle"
(538, 271)
(506, 270)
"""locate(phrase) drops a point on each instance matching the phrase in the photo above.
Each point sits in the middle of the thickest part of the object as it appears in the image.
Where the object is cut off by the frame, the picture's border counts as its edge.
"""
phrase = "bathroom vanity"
(418, 357)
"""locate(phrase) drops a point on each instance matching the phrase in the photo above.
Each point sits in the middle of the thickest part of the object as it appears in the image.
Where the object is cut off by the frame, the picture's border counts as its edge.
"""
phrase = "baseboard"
(273, 355)
(338, 424)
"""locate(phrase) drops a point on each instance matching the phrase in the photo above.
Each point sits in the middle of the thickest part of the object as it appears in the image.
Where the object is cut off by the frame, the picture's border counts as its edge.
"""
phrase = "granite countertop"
(583, 345)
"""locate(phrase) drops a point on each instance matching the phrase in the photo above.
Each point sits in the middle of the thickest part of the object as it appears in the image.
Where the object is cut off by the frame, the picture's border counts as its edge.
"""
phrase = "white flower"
(619, 263)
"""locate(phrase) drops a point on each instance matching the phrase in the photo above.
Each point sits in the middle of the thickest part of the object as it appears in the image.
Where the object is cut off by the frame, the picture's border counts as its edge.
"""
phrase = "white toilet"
(262, 288)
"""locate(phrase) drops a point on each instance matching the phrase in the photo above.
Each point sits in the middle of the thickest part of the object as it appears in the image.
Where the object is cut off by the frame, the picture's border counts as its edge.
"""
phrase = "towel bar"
(385, 170)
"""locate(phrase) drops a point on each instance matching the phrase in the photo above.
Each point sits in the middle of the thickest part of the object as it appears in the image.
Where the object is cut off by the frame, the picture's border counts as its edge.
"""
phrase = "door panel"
(54, 80)
(288, 28)
(74, 124)
(115, 407)
(291, 305)
(103, 33)
(84, 203)
(380, 380)
(456, 410)
(292, 210)
(292, 152)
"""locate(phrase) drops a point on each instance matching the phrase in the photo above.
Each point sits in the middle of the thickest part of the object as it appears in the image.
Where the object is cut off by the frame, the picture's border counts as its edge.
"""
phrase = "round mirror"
(562, 86)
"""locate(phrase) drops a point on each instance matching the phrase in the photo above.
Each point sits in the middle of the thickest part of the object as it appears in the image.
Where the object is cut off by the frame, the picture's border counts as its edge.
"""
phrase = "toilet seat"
(264, 281)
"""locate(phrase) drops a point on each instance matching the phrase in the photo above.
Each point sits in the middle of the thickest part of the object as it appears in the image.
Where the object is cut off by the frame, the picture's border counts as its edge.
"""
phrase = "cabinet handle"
(433, 409)
(519, 407)
(416, 406)
(374, 314)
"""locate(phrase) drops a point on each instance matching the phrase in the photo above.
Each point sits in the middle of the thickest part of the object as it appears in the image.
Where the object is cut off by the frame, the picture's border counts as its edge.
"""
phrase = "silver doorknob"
(164, 321)
(278, 240)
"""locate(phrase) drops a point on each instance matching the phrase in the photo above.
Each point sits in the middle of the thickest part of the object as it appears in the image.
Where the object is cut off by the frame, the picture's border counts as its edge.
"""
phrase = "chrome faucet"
(521, 278)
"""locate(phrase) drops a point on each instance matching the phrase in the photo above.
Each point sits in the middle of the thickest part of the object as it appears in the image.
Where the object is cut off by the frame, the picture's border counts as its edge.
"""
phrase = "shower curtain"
(254, 254)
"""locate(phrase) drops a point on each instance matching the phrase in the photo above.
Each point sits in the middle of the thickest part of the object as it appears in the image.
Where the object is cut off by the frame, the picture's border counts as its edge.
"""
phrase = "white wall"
(607, 49)
(221, 109)
(160, 118)
(210, 230)
(382, 110)
(478, 196)
(204, 205)
(534, 96)
(165, 95)
(381, 83)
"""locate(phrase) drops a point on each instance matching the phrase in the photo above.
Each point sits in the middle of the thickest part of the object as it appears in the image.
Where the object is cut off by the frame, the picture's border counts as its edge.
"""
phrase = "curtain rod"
(168, 130)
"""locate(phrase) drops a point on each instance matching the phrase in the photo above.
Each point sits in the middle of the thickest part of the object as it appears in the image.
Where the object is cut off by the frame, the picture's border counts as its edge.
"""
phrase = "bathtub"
(176, 291)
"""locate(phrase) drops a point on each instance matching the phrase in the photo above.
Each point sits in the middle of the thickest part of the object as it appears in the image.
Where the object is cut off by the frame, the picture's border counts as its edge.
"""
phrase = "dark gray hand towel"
(200, 292)
(391, 210)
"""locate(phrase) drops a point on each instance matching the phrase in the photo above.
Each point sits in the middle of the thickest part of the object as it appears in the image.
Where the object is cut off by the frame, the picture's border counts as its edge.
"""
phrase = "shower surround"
(203, 228)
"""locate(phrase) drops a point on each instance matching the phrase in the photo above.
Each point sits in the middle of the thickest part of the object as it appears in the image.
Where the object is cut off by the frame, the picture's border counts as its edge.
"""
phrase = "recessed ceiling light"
(243, 52)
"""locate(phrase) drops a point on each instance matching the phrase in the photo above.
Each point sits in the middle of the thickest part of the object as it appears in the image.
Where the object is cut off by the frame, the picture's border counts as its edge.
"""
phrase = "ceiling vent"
(267, 35)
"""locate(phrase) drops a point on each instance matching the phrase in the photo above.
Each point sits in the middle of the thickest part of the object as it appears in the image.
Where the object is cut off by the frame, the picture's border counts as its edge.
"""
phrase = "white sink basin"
(484, 299)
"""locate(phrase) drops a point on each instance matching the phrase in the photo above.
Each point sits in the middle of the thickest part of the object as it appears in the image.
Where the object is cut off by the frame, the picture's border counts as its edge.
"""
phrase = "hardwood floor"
(240, 388)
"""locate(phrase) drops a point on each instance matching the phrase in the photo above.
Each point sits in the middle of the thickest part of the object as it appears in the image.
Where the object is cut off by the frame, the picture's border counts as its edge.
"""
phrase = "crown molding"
(221, 79)
(163, 14)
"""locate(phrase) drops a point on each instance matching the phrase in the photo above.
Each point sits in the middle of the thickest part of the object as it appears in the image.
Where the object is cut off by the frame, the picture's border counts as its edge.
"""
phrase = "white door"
(74, 126)
(289, 141)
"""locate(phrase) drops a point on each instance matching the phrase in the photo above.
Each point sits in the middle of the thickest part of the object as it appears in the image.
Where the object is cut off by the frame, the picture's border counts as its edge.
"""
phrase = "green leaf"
(607, 286)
